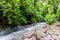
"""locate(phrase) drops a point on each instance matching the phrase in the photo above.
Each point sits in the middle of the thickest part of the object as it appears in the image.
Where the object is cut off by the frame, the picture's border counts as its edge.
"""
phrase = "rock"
(26, 39)
(57, 24)
(13, 39)
(33, 38)
(28, 34)
(58, 39)
(41, 32)
(48, 37)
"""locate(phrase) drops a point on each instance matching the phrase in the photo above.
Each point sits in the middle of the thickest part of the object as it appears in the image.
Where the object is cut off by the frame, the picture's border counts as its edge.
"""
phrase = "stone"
(28, 34)
(33, 38)
(13, 39)
(57, 24)
(41, 32)
(26, 39)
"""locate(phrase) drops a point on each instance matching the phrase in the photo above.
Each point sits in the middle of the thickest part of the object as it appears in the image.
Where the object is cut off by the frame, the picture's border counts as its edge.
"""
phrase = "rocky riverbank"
(48, 32)
(39, 31)
(17, 34)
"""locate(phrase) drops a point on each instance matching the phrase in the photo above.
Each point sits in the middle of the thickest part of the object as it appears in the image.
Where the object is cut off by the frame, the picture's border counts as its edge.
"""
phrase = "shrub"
(37, 17)
(41, 7)
(50, 18)
(10, 12)
(19, 12)
(30, 12)
(58, 13)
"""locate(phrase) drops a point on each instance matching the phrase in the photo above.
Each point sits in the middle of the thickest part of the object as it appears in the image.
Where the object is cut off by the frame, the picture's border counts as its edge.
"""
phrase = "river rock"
(28, 34)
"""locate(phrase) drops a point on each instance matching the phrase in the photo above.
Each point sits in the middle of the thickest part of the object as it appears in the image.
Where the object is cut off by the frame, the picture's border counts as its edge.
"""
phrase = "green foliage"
(41, 7)
(30, 12)
(20, 12)
(58, 12)
(37, 17)
(10, 12)
(50, 18)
